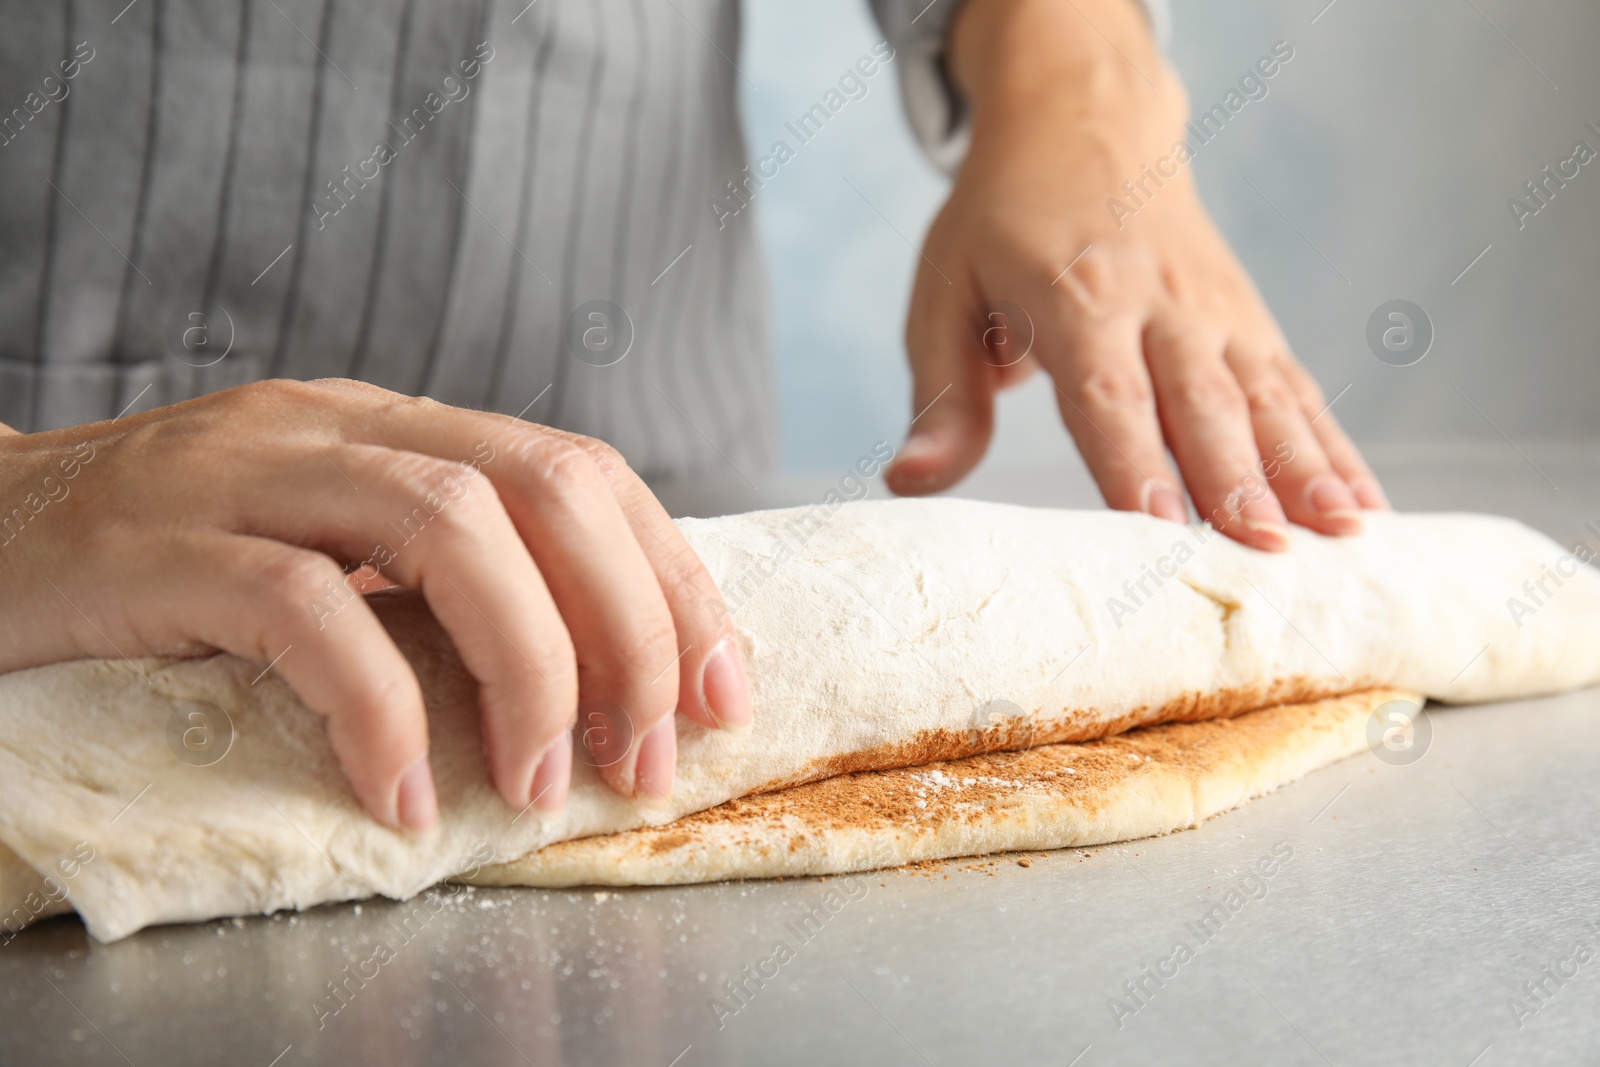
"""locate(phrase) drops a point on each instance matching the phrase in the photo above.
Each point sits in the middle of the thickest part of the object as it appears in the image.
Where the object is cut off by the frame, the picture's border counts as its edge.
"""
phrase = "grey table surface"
(1411, 916)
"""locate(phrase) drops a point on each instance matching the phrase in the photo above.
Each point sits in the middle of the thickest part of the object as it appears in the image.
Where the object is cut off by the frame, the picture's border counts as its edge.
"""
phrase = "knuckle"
(683, 575)
(277, 408)
(549, 669)
(1096, 273)
(559, 465)
(1113, 387)
(1176, 286)
(280, 391)
(450, 492)
(1210, 391)
(555, 662)
(1035, 258)
(1269, 394)
(374, 703)
(545, 662)
(603, 455)
(292, 584)
(1106, 281)
(1195, 298)
(649, 643)
(351, 385)
(711, 612)
(395, 402)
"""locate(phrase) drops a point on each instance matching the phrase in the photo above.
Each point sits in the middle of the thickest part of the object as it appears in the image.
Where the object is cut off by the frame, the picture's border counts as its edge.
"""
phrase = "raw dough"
(877, 634)
(1149, 781)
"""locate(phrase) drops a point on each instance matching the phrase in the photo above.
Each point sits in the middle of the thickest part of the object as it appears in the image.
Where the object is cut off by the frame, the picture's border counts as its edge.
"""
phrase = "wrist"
(1088, 64)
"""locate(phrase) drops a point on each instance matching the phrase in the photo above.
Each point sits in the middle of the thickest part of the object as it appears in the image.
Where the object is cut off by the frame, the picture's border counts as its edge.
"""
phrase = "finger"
(713, 689)
(1309, 489)
(712, 685)
(1341, 451)
(574, 529)
(952, 396)
(439, 527)
(254, 597)
(1104, 394)
(658, 754)
(1207, 424)
(605, 589)
(1014, 374)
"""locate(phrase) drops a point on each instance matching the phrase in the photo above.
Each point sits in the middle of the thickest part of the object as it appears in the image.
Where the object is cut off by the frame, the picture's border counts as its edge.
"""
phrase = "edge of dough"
(1144, 783)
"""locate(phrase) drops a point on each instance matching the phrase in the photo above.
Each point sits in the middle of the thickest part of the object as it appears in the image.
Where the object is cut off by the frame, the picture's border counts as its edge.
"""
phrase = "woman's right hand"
(227, 523)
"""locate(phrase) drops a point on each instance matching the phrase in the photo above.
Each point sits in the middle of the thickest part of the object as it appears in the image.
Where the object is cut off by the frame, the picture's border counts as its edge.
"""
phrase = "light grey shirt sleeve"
(938, 116)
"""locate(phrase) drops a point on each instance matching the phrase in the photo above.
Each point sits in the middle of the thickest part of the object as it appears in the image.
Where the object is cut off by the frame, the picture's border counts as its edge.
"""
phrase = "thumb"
(952, 395)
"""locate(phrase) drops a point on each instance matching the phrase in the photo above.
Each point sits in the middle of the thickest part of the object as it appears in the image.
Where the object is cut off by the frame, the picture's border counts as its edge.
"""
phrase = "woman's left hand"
(1152, 332)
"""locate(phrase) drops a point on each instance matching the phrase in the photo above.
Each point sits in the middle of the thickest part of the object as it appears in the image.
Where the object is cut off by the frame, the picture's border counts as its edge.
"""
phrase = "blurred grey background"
(1390, 145)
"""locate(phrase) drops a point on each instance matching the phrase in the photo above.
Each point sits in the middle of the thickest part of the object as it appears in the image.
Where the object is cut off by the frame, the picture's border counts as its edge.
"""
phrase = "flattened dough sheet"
(1143, 783)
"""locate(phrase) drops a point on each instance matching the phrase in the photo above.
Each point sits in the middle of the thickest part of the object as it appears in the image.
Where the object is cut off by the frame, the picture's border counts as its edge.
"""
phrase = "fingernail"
(919, 450)
(658, 757)
(726, 689)
(606, 732)
(1164, 502)
(918, 446)
(554, 776)
(416, 802)
(1370, 494)
(1331, 498)
(1270, 536)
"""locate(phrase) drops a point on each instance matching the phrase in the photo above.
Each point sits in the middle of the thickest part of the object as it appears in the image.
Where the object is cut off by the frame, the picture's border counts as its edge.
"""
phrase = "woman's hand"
(228, 523)
(1150, 329)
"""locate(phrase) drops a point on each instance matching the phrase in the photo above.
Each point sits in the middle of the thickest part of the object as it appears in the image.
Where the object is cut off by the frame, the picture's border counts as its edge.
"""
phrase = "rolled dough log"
(877, 634)
(1142, 783)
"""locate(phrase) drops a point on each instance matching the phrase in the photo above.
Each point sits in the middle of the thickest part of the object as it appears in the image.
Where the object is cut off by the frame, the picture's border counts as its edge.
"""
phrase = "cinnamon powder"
(969, 789)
